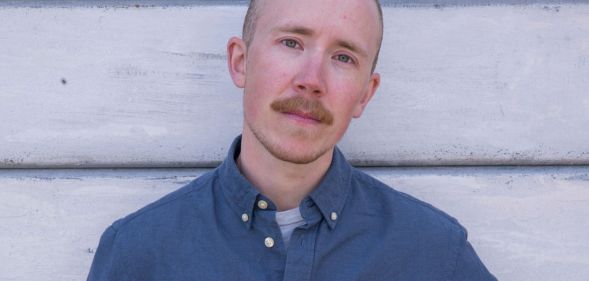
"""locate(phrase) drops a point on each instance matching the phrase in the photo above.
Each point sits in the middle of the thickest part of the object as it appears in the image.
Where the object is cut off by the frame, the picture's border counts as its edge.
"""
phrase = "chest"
(315, 253)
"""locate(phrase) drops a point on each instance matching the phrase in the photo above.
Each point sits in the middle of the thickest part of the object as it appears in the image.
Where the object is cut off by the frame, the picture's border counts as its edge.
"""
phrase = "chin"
(292, 149)
(295, 157)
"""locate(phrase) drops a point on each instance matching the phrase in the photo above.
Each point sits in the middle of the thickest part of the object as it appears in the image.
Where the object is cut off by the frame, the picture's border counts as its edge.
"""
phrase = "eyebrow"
(295, 29)
(352, 47)
(301, 30)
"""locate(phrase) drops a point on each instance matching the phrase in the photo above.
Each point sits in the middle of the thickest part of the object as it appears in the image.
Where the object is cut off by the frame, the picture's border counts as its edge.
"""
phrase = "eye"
(344, 58)
(290, 43)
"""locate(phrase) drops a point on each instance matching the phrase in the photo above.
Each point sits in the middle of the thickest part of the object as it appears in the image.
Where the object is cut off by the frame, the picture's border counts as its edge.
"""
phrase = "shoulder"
(425, 234)
(135, 244)
(403, 209)
(169, 210)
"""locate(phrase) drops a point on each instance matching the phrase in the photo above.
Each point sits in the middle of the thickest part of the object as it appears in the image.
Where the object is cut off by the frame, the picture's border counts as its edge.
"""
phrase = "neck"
(285, 183)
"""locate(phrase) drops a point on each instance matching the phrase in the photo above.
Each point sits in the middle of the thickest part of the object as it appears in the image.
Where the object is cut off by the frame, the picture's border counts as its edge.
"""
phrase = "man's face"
(307, 73)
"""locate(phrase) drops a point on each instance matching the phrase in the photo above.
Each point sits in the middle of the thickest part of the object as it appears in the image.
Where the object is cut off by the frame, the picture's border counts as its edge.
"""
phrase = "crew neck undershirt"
(287, 221)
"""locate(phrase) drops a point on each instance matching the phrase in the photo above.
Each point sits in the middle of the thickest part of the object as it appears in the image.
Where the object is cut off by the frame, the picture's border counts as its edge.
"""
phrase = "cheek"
(272, 62)
(351, 89)
(343, 110)
(346, 93)
(345, 105)
(259, 93)
(270, 74)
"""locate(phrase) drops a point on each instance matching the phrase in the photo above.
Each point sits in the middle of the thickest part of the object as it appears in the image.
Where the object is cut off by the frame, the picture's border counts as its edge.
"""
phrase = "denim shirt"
(219, 227)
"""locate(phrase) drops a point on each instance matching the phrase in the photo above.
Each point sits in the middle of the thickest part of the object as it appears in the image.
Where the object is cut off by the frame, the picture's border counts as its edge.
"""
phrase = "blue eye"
(290, 43)
(343, 58)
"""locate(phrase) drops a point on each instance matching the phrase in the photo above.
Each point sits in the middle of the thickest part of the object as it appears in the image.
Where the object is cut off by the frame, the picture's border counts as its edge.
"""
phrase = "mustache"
(298, 104)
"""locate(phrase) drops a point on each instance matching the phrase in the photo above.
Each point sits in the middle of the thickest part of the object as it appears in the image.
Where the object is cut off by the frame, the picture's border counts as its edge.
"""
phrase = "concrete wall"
(498, 91)
(87, 86)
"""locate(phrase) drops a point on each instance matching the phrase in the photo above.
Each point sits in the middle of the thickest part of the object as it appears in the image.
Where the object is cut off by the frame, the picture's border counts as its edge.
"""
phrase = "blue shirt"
(219, 227)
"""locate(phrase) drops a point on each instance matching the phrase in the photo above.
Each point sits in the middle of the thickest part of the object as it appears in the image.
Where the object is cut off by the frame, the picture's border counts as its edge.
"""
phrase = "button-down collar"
(236, 188)
(329, 196)
(332, 192)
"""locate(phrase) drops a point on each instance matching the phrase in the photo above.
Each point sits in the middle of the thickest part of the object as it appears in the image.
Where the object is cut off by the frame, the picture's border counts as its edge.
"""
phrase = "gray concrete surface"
(102, 87)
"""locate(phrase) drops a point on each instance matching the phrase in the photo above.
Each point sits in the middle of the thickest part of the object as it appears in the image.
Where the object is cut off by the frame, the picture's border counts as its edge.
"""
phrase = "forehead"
(350, 20)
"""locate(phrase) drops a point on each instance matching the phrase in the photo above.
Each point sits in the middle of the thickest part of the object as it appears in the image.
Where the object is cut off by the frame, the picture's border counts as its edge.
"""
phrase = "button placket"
(299, 261)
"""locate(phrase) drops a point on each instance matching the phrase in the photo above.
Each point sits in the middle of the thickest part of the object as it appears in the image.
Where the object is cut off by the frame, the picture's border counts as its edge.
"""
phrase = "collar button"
(262, 204)
(333, 216)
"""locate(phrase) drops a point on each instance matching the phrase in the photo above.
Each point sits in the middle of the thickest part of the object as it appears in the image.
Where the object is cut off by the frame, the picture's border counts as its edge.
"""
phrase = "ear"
(236, 59)
(367, 95)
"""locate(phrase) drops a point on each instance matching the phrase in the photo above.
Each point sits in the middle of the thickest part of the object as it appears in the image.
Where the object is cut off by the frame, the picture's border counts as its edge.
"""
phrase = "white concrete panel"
(483, 85)
(148, 86)
(525, 223)
(102, 87)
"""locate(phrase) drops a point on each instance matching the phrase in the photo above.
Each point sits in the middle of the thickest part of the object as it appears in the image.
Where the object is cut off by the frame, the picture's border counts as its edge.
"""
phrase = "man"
(285, 205)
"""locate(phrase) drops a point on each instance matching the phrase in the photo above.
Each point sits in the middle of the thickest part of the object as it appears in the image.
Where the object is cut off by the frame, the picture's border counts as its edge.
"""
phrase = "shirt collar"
(331, 193)
(236, 188)
(329, 196)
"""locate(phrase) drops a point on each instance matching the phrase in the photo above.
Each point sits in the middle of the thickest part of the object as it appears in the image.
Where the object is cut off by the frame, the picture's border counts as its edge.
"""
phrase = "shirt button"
(269, 242)
(262, 204)
(333, 216)
(245, 217)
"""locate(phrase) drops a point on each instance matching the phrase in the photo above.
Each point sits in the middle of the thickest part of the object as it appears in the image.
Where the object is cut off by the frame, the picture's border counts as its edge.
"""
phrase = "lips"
(304, 115)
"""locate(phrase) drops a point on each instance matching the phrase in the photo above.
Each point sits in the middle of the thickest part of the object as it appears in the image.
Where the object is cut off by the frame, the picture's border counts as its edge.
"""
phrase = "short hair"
(252, 15)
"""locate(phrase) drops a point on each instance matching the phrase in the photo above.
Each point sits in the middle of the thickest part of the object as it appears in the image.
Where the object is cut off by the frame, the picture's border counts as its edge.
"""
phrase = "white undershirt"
(287, 221)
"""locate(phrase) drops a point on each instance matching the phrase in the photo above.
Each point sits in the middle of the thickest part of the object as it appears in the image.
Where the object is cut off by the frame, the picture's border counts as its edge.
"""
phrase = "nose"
(310, 78)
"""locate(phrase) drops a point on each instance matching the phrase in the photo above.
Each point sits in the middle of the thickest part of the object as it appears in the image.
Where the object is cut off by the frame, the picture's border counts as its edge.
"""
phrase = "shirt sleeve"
(469, 267)
(106, 259)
